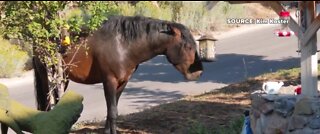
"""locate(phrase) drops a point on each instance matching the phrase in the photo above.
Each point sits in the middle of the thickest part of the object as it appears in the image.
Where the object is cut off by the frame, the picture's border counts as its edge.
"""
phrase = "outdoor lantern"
(207, 48)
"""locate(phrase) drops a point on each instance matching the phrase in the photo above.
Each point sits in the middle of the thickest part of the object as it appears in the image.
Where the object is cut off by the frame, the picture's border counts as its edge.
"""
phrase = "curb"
(26, 77)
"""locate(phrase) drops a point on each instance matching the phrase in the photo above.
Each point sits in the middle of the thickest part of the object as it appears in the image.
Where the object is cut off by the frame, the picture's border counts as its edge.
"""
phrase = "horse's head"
(181, 51)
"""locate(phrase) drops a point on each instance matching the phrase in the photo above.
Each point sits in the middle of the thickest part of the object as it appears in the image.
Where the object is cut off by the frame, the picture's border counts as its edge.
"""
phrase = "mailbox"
(207, 48)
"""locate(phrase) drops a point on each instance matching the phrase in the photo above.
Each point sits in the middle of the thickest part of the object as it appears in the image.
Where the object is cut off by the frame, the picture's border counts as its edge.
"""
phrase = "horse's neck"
(145, 51)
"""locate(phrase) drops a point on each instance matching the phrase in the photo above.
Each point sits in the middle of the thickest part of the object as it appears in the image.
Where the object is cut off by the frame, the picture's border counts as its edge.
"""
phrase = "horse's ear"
(171, 30)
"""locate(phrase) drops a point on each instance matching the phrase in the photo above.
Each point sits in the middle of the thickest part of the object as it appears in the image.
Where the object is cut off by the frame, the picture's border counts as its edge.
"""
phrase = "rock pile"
(284, 113)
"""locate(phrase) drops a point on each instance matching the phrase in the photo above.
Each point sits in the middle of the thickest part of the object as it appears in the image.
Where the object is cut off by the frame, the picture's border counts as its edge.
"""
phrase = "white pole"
(309, 58)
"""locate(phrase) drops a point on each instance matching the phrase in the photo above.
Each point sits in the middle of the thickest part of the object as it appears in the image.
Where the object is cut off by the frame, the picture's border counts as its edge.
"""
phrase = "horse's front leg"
(113, 90)
(110, 93)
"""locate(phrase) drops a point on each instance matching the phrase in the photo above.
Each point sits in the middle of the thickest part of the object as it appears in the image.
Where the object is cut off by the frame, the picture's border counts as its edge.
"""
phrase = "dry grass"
(257, 10)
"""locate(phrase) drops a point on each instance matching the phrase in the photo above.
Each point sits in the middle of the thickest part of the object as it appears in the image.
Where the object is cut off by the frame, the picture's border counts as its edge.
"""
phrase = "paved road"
(156, 81)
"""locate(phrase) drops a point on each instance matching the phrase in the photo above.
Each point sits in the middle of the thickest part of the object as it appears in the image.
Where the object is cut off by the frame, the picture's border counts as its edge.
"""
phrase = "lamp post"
(207, 48)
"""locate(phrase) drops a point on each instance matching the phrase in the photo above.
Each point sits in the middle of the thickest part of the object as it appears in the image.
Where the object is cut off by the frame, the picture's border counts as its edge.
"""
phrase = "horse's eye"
(189, 47)
(186, 46)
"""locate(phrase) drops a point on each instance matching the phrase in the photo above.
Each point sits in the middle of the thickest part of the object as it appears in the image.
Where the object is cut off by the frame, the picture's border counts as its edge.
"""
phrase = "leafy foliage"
(40, 25)
(91, 15)
(42, 22)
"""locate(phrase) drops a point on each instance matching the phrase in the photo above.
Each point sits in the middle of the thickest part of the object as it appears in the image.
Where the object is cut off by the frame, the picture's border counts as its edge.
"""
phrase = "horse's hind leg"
(41, 84)
(4, 128)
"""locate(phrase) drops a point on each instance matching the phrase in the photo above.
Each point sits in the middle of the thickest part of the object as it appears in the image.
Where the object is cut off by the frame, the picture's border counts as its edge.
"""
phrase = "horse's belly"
(85, 72)
(83, 69)
(84, 78)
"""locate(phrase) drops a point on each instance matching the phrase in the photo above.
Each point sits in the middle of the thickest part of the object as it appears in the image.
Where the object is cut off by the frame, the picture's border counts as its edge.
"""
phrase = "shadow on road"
(142, 98)
(229, 68)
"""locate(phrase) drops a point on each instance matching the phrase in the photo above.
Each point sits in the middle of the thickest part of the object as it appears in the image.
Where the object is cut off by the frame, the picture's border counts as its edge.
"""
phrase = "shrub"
(145, 8)
(126, 9)
(224, 10)
(12, 59)
(233, 127)
(194, 15)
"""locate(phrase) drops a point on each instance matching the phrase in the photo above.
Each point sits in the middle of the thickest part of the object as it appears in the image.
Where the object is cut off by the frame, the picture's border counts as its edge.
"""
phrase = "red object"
(284, 33)
(284, 14)
(298, 90)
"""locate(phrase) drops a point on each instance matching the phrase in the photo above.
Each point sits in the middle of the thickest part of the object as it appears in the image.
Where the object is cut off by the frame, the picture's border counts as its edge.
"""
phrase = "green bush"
(126, 9)
(222, 11)
(194, 15)
(199, 128)
(91, 15)
(12, 59)
(233, 127)
(148, 9)
(145, 8)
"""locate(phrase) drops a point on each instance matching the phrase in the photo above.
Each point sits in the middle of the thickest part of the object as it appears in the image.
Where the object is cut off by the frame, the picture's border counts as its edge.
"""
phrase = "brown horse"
(115, 51)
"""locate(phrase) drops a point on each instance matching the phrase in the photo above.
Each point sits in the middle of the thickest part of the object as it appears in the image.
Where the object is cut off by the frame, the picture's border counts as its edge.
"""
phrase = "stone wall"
(284, 114)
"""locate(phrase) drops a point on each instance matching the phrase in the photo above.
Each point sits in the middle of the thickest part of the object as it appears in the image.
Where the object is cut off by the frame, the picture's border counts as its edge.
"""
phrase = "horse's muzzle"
(193, 76)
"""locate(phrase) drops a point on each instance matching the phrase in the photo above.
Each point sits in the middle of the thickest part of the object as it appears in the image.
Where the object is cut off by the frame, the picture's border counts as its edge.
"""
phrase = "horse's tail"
(41, 85)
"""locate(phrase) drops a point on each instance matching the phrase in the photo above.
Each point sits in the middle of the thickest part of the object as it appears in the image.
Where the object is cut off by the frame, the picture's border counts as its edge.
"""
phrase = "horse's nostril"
(200, 73)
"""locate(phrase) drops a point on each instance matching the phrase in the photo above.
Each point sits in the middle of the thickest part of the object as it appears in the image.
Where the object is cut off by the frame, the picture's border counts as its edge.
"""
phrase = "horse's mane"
(133, 27)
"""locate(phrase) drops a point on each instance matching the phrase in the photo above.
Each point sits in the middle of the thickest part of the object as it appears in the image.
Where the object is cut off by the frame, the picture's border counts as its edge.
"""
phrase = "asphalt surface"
(239, 56)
